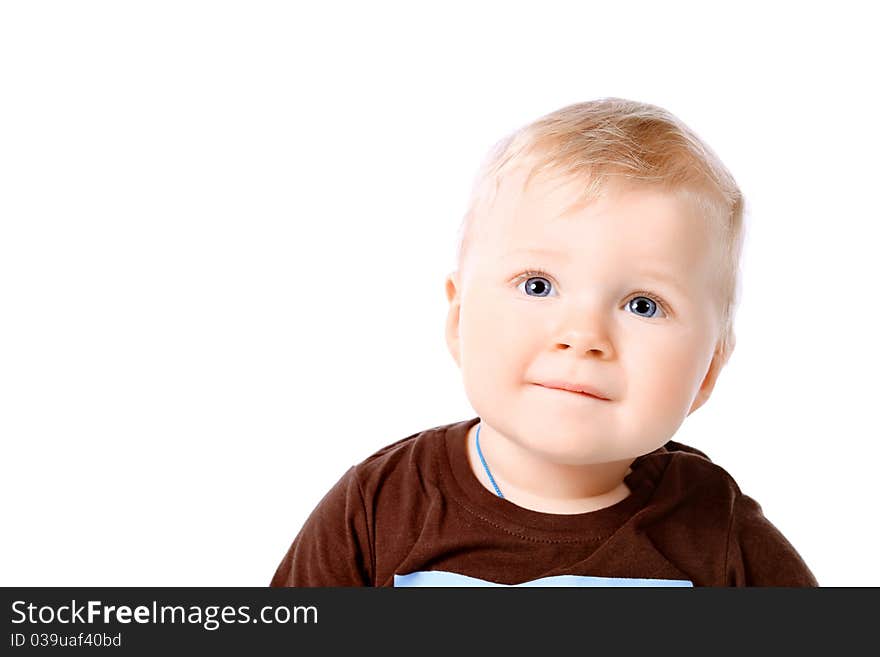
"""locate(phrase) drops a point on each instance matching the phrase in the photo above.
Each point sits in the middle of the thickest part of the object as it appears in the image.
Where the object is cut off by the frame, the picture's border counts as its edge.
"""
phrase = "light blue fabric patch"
(443, 578)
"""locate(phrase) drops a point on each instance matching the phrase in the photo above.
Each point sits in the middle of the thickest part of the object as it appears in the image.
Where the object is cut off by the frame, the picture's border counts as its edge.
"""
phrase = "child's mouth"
(572, 388)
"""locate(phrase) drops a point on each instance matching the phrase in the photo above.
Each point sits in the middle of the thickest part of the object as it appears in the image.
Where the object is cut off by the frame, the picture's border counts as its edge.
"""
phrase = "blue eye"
(539, 285)
(644, 304)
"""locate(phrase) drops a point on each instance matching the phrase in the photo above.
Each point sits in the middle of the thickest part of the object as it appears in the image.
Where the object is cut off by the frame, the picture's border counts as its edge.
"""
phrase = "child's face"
(589, 320)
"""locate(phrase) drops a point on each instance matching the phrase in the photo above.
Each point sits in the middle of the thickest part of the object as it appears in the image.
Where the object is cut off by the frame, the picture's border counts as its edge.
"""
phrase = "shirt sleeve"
(757, 552)
(333, 546)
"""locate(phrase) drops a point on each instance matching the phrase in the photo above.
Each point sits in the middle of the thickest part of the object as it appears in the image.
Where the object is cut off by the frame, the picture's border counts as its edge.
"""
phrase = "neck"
(531, 481)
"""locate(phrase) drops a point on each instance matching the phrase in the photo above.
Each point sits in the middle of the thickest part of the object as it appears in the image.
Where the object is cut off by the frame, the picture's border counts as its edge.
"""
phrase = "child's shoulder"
(414, 455)
(676, 467)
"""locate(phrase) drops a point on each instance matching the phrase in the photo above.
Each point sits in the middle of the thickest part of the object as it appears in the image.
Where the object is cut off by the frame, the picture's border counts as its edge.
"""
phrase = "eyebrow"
(545, 252)
(647, 273)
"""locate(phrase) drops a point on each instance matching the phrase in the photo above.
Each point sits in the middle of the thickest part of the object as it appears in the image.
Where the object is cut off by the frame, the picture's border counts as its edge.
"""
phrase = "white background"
(224, 229)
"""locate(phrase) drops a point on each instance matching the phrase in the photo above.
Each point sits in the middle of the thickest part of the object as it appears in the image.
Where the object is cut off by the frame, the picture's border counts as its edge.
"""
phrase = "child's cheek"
(674, 379)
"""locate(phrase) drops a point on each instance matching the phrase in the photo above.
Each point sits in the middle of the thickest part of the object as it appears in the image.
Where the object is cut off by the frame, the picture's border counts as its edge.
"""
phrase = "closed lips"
(574, 387)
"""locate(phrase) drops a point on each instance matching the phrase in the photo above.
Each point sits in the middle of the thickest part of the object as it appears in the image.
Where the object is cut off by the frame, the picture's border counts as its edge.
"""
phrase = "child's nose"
(585, 330)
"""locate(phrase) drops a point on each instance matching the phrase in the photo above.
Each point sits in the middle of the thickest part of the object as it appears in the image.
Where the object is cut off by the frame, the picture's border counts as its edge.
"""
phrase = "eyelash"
(642, 293)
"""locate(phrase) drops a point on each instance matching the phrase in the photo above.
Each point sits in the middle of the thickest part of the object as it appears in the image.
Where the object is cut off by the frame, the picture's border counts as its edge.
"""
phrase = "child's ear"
(719, 360)
(453, 295)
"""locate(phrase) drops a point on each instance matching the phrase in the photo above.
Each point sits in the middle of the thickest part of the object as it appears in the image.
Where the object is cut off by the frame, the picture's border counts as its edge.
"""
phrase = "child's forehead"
(548, 223)
(523, 194)
(528, 216)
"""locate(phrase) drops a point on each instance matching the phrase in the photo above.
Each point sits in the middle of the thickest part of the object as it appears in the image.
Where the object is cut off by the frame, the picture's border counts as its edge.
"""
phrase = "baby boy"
(590, 313)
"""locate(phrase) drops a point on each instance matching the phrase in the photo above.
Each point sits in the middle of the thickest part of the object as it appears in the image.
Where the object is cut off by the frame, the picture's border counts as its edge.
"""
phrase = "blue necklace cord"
(486, 467)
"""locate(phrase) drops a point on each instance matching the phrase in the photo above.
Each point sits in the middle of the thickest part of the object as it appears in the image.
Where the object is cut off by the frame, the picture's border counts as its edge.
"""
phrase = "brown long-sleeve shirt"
(414, 514)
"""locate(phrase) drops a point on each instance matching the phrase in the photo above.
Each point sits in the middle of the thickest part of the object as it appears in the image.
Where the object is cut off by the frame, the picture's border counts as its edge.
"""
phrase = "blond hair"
(632, 142)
